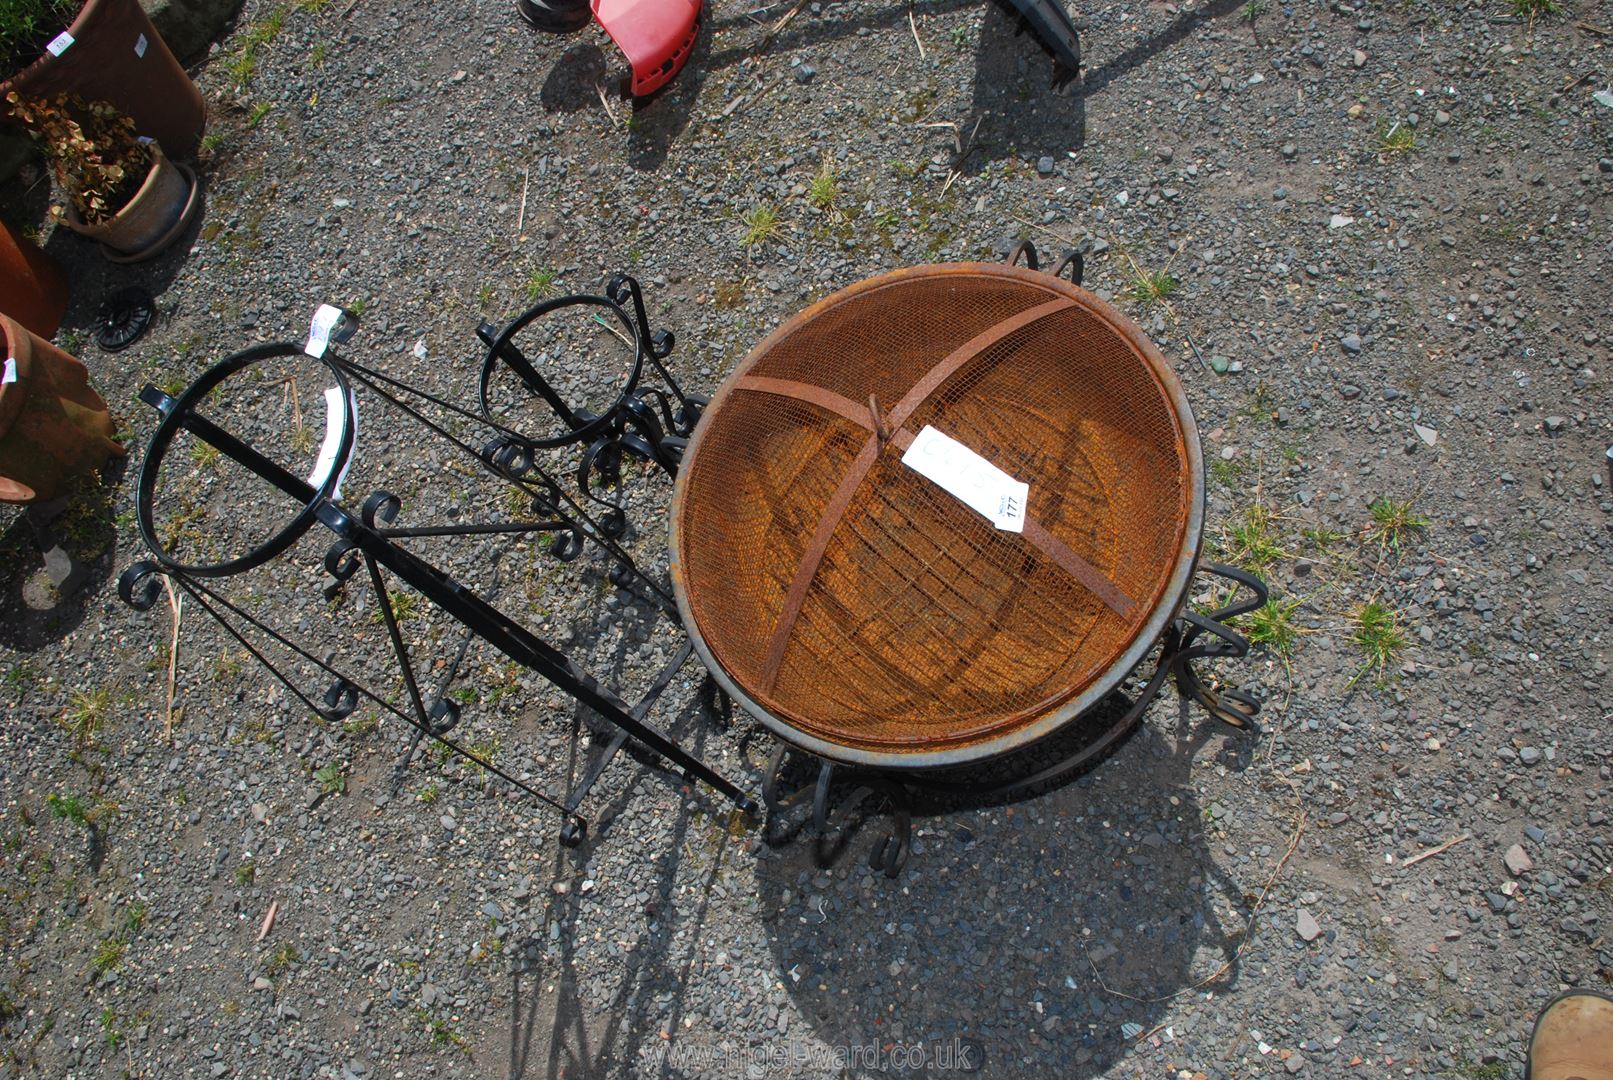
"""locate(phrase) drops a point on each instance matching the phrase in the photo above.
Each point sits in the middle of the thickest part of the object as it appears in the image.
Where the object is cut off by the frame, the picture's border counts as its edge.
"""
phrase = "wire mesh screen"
(858, 602)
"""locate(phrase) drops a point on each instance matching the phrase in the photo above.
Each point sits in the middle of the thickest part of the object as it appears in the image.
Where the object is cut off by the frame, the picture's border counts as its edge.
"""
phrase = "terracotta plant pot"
(32, 289)
(52, 425)
(152, 220)
(117, 57)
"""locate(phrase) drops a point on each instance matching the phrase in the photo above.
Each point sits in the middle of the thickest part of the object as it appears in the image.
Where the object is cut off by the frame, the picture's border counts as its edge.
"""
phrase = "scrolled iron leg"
(1232, 706)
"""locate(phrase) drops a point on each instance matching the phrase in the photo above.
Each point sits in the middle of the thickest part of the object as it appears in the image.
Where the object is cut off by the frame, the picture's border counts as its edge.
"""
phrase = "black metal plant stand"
(645, 421)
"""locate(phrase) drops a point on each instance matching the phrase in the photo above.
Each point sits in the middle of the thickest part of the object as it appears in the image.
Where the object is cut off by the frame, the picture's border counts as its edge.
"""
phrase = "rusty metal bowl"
(866, 615)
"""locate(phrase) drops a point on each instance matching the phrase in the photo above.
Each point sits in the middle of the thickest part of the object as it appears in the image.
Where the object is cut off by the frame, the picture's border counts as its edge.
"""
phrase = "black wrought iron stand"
(369, 540)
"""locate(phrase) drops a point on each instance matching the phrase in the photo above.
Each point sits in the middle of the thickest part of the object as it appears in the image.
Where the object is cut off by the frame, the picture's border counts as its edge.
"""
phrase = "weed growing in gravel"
(1533, 9)
(317, 55)
(246, 873)
(1272, 625)
(1378, 635)
(108, 955)
(442, 1032)
(362, 725)
(761, 224)
(85, 715)
(405, 606)
(1394, 520)
(70, 807)
(203, 455)
(1396, 140)
(18, 676)
(1251, 10)
(1149, 287)
(331, 780)
(824, 189)
(109, 1027)
(243, 65)
(538, 282)
(255, 116)
(429, 794)
(1323, 538)
(1252, 541)
(282, 961)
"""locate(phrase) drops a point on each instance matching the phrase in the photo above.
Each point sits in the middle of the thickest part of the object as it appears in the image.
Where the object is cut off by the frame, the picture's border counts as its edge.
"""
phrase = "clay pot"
(152, 220)
(52, 425)
(117, 57)
(32, 289)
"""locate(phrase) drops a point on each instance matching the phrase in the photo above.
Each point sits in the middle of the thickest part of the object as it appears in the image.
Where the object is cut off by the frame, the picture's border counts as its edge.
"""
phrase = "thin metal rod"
(196, 589)
(372, 379)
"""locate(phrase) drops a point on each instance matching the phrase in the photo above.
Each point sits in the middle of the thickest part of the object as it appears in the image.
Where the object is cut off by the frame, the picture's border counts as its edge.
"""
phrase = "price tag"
(59, 43)
(11, 371)
(973, 480)
(325, 320)
(140, 44)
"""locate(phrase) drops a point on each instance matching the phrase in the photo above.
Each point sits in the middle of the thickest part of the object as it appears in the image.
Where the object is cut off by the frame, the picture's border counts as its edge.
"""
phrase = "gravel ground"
(1389, 229)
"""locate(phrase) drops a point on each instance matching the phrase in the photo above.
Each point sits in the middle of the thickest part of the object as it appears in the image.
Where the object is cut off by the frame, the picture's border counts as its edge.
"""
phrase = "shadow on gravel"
(1036, 939)
(32, 613)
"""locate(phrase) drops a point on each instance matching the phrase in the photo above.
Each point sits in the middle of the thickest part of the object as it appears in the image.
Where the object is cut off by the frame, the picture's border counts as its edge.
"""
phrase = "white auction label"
(973, 480)
(59, 43)
(11, 371)
(140, 46)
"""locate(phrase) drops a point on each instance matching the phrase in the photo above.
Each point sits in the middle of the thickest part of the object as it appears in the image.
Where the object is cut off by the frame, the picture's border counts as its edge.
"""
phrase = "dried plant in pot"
(101, 50)
(119, 188)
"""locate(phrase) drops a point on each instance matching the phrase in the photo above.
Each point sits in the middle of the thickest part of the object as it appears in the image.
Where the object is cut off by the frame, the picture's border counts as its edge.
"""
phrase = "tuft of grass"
(1322, 538)
(824, 189)
(283, 960)
(246, 873)
(108, 955)
(442, 1032)
(761, 224)
(1394, 520)
(538, 283)
(362, 725)
(19, 675)
(1272, 625)
(257, 113)
(1396, 139)
(1150, 287)
(85, 714)
(71, 807)
(1376, 632)
(1252, 10)
(1252, 540)
(429, 794)
(1533, 9)
(405, 606)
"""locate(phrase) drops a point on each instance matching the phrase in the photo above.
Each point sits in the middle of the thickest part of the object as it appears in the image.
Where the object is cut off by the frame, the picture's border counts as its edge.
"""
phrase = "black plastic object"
(123, 318)
(1048, 20)
(556, 16)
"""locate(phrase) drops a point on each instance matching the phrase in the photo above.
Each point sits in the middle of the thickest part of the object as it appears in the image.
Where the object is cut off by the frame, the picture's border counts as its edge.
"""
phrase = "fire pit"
(863, 583)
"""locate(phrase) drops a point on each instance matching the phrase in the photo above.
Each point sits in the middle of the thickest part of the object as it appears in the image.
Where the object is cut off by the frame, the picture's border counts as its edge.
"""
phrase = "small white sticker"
(325, 320)
(140, 45)
(335, 422)
(976, 482)
(59, 43)
(11, 371)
